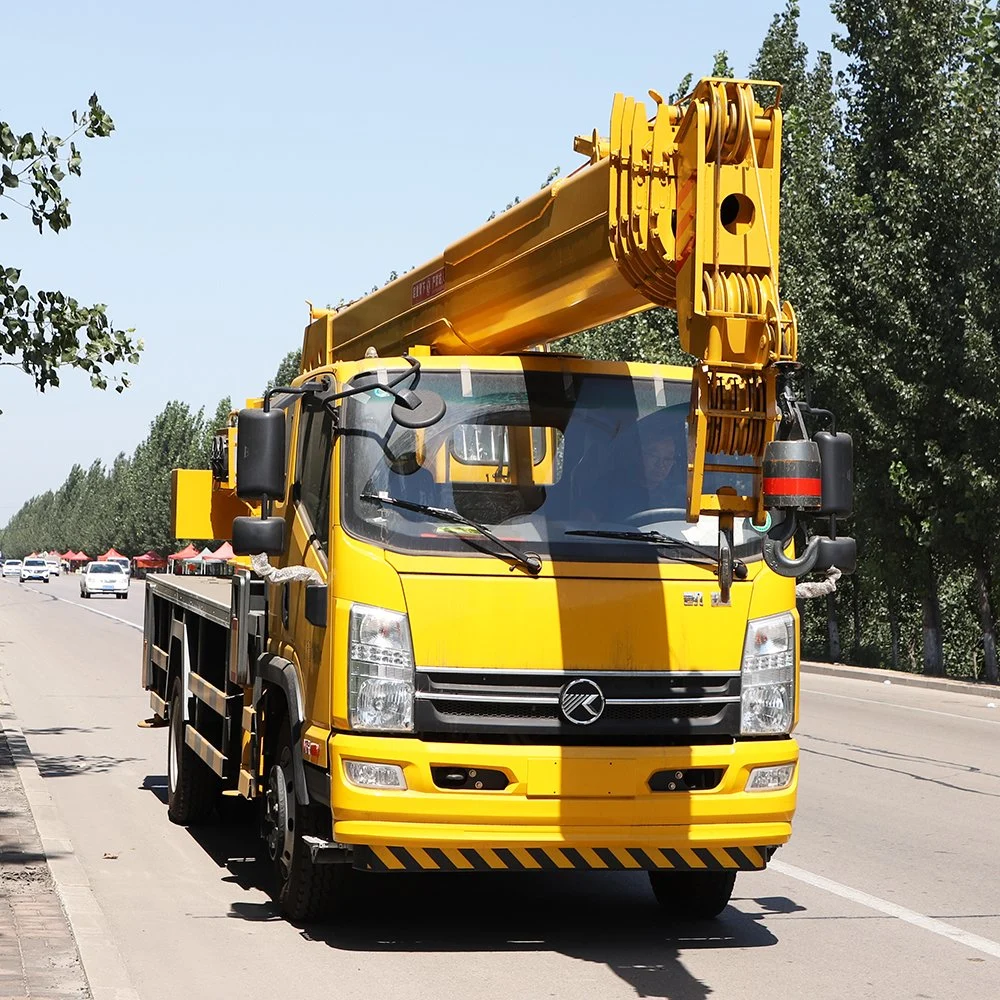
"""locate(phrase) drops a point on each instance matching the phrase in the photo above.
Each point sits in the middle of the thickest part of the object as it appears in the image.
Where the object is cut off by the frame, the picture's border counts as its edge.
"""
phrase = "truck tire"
(192, 787)
(304, 890)
(699, 895)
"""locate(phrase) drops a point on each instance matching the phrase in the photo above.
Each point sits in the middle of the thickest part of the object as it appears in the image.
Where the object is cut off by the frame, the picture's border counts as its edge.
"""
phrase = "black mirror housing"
(839, 552)
(260, 455)
(837, 458)
(253, 535)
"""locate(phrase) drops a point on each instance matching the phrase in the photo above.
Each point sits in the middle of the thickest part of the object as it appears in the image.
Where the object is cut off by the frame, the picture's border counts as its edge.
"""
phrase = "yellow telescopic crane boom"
(677, 210)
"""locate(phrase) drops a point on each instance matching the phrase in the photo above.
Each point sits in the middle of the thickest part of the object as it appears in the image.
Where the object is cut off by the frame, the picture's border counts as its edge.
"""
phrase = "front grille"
(656, 705)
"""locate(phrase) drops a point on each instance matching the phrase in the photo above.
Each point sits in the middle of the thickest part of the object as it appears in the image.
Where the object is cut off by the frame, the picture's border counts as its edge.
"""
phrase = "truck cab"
(527, 661)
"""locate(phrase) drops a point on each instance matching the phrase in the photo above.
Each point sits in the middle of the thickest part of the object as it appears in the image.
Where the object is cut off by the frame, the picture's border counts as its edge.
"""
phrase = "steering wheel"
(656, 514)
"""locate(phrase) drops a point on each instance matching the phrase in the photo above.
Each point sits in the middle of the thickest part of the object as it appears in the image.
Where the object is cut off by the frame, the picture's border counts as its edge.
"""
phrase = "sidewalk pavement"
(39, 958)
(878, 676)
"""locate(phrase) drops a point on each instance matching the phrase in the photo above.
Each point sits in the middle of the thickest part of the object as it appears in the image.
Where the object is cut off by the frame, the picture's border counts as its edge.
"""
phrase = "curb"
(102, 963)
(875, 675)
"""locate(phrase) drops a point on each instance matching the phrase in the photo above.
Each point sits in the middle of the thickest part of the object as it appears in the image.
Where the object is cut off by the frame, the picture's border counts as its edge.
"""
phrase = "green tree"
(918, 291)
(288, 369)
(219, 421)
(43, 331)
(175, 441)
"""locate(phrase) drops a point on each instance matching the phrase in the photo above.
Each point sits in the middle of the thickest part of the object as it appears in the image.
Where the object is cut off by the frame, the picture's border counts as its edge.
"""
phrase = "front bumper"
(563, 807)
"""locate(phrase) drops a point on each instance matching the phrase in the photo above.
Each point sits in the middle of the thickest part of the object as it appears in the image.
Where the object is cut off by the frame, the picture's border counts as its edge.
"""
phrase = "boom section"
(678, 209)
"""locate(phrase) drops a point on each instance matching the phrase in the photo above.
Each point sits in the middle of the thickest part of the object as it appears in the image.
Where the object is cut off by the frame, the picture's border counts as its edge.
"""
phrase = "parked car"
(12, 567)
(54, 568)
(124, 562)
(34, 569)
(104, 578)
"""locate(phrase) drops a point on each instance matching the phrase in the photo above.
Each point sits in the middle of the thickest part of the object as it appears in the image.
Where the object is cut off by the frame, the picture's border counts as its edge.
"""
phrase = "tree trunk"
(894, 625)
(990, 674)
(933, 646)
(832, 631)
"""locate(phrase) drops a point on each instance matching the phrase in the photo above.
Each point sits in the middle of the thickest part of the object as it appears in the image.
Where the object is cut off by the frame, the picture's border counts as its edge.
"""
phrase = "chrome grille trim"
(673, 701)
(643, 705)
(504, 672)
(492, 699)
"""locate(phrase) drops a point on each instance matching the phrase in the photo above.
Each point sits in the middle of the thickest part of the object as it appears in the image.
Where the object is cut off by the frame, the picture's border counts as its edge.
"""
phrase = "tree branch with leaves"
(43, 331)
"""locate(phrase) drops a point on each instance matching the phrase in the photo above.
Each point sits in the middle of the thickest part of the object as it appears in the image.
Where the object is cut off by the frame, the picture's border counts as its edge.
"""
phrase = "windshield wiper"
(655, 538)
(527, 560)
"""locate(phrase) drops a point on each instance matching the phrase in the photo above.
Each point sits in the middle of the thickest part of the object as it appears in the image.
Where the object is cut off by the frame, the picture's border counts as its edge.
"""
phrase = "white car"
(34, 569)
(54, 568)
(124, 562)
(12, 567)
(104, 578)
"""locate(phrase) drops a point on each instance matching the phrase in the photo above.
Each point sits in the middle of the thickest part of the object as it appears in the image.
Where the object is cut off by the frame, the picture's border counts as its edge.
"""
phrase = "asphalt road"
(889, 888)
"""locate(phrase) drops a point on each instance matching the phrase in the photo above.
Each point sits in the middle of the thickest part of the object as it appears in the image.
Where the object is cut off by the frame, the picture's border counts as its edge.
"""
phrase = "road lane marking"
(85, 607)
(908, 708)
(939, 927)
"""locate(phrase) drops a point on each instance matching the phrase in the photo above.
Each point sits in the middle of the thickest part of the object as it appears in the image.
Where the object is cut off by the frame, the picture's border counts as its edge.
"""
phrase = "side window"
(314, 467)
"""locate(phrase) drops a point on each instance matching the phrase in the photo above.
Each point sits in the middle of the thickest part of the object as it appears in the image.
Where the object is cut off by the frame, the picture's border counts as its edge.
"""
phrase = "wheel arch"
(278, 678)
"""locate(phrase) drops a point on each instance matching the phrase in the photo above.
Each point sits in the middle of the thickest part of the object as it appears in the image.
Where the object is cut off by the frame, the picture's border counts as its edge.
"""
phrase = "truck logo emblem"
(581, 702)
(694, 599)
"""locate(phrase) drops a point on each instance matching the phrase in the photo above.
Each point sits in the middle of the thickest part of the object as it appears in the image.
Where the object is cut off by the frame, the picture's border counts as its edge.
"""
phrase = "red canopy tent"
(80, 556)
(188, 552)
(112, 553)
(68, 555)
(223, 553)
(150, 560)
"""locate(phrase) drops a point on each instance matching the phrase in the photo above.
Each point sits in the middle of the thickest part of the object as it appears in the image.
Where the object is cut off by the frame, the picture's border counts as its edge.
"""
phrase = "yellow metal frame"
(582, 798)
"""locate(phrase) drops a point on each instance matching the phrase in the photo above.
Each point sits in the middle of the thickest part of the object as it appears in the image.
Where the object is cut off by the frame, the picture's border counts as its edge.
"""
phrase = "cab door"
(308, 519)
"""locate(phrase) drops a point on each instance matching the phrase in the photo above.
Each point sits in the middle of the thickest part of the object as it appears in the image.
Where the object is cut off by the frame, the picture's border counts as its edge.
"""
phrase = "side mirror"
(252, 535)
(415, 410)
(260, 455)
(839, 552)
(837, 457)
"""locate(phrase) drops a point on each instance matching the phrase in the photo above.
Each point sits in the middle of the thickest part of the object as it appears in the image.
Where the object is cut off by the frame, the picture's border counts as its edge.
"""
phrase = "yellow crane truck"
(509, 608)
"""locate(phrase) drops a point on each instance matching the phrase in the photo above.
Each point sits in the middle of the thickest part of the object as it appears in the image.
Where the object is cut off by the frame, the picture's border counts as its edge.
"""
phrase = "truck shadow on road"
(606, 918)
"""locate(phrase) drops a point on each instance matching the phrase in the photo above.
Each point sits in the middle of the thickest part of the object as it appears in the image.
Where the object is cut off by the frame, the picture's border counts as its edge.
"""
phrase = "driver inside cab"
(646, 472)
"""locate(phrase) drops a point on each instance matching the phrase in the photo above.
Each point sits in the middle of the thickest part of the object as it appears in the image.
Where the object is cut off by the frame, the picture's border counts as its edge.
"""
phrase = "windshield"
(104, 567)
(34, 562)
(532, 455)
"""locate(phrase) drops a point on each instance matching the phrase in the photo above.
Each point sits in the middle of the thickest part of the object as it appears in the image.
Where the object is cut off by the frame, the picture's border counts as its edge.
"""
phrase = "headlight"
(768, 681)
(380, 670)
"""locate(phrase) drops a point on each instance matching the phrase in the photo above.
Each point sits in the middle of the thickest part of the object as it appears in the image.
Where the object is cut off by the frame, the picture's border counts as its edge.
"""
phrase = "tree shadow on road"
(61, 765)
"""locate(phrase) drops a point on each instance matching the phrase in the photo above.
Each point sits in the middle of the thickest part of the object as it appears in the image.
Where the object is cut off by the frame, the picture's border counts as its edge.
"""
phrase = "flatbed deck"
(208, 596)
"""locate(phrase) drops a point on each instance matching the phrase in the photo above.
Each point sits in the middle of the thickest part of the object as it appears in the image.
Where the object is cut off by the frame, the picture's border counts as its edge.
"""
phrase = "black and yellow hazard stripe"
(451, 859)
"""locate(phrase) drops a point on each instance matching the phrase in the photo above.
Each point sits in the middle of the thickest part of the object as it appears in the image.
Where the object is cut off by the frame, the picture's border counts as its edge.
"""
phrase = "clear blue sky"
(266, 154)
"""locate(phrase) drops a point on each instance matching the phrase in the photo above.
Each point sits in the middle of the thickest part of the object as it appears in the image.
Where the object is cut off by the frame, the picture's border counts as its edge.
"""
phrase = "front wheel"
(700, 895)
(305, 890)
(192, 787)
